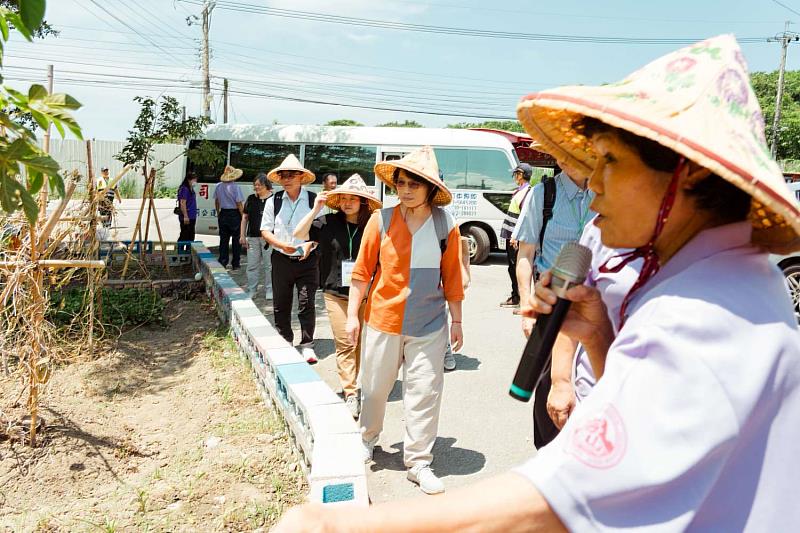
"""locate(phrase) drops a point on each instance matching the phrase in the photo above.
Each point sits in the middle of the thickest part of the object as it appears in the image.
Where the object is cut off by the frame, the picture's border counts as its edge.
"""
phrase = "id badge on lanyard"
(347, 272)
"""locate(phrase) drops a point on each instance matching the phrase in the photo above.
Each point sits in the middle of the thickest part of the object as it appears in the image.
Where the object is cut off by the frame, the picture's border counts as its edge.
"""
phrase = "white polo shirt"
(290, 215)
(696, 422)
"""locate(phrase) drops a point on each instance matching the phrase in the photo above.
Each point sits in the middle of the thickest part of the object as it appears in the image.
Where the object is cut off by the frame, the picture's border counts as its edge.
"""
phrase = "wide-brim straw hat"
(696, 101)
(291, 163)
(230, 174)
(356, 187)
(421, 162)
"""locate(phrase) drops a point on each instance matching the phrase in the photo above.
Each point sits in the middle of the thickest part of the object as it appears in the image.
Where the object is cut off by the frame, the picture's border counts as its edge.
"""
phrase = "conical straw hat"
(355, 186)
(291, 163)
(421, 162)
(696, 101)
(230, 174)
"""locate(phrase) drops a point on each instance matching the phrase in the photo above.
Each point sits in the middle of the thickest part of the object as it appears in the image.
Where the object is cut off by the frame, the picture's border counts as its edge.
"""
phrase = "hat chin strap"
(648, 252)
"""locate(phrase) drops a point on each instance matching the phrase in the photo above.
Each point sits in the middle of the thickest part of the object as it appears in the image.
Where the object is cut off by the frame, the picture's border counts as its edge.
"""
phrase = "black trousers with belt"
(289, 273)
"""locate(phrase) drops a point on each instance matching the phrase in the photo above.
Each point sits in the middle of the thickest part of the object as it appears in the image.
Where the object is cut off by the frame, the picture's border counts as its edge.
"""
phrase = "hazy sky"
(112, 50)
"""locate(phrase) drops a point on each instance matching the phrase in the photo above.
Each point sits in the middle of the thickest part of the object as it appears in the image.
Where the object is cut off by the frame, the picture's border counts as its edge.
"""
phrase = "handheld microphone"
(570, 269)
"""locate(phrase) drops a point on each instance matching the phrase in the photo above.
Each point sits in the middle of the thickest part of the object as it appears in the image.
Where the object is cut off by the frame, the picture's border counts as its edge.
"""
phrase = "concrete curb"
(325, 436)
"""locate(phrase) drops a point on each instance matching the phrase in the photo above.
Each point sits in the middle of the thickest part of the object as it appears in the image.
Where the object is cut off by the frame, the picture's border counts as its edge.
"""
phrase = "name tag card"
(347, 272)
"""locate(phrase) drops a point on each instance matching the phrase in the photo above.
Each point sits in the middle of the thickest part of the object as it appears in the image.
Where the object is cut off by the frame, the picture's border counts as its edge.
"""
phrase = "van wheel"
(792, 273)
(479, 244)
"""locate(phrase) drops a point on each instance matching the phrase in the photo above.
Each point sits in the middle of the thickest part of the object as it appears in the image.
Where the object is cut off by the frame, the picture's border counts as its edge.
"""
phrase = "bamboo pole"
(57, 263)
(150, 207)
(93, 206)
(160, 236)
(137, 228)
(55, 217)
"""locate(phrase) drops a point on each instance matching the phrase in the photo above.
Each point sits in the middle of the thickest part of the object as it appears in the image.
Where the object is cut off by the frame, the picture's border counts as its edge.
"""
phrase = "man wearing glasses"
(294, 262)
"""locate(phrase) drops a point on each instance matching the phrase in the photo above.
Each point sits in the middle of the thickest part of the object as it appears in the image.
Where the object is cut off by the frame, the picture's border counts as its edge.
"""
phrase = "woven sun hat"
(421, 162)
(291, 163)
(230, 174)
(696, 101)
(355, 186)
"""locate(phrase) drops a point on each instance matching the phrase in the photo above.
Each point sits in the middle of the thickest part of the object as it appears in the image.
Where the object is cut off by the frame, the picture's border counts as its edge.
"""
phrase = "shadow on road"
(448, 460)
(466, 362)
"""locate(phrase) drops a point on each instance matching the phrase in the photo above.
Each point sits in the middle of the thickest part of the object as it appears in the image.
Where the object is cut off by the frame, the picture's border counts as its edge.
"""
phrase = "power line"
(786, 7)
(449, 30)
(137, 32)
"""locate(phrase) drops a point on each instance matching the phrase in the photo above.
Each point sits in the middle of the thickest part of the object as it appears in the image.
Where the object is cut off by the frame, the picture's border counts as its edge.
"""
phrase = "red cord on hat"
(648, 251)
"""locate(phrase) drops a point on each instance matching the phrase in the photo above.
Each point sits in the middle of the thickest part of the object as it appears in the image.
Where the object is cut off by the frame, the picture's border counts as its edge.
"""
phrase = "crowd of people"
(673, 394)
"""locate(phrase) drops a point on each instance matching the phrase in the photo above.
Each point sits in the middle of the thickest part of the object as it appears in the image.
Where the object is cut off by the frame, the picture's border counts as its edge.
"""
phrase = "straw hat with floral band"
(670, 101)
(354, 186)
(230, 174)
(421, 162)
(291, 163)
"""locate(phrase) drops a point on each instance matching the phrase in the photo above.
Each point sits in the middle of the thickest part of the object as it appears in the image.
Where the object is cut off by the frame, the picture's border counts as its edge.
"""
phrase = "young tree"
(20, 154)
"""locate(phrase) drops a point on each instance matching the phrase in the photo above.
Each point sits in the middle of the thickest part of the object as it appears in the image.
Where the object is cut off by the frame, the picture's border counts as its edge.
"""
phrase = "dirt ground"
(167, 432)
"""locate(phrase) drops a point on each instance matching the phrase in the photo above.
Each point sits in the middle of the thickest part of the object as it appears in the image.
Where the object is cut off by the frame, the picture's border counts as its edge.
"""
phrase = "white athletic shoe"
(449, 361)
(352, 403)
(269, 294)
(308, 354)
(367, 448)
(423, 476)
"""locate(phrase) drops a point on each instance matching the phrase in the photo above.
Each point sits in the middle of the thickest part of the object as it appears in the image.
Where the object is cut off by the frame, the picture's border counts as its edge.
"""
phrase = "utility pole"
(786, 37)
(225, 101)
(208, 6)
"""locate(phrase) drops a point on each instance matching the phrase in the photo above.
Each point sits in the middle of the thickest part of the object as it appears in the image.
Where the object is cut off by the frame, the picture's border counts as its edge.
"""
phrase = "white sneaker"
(423, 476)
(367, 448)
(308, 354)
(449, 361)
(352, 403)
(269, 294)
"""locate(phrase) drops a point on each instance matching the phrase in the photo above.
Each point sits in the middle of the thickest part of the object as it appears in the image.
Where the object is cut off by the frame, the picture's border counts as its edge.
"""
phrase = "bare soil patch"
(167, 432)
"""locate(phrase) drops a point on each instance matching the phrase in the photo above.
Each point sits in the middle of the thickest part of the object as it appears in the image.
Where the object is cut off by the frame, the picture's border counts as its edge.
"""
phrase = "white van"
(476, 167)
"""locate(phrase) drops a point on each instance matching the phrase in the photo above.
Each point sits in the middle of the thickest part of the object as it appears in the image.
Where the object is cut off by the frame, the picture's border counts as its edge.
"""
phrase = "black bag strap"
(277, 202)
(549, 183)
(440, 226)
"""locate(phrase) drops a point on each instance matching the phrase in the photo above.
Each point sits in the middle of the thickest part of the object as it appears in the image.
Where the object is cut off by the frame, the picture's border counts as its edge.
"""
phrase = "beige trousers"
(347, 355)
(422, 361)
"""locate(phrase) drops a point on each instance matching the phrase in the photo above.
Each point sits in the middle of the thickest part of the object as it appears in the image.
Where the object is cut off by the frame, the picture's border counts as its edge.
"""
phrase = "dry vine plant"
(35, 263)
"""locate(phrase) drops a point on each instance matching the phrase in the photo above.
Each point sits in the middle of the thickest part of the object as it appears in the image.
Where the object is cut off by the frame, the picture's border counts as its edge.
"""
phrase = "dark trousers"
(288, 273)
(511, 253)
(230, 223)
(187, 230)
(544, 430)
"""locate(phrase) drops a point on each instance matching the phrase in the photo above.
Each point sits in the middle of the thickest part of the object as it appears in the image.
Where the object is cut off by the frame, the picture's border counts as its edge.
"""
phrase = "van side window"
(253, 158)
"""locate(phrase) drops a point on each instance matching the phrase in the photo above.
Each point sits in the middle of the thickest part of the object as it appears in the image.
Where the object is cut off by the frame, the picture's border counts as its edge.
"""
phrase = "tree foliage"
(343, 122)
(507, 125)
(20, 154)
(159, 122)
(404, 124)
(765, 85)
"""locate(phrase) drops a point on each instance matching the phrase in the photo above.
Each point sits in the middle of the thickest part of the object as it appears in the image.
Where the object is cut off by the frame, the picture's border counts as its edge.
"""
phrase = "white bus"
(476, 166)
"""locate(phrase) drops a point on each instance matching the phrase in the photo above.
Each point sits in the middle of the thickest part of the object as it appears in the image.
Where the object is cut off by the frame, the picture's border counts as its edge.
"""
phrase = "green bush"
(120, 307)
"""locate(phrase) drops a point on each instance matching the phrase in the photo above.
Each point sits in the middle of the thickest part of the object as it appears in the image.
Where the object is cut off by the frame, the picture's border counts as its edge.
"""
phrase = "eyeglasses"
(289, 175)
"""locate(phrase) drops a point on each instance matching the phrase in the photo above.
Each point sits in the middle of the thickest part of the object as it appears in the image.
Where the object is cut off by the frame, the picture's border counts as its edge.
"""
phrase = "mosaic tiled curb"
(325, 436)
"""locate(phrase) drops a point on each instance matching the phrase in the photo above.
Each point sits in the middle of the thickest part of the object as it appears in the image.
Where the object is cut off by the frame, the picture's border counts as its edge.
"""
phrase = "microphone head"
(572, 263)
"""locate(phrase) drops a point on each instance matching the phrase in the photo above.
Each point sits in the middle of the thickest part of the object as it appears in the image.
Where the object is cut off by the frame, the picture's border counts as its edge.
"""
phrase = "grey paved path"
(482, 431)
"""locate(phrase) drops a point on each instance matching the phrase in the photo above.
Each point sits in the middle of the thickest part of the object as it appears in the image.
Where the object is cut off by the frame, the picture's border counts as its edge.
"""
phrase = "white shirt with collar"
(290, 215)
(695, 425)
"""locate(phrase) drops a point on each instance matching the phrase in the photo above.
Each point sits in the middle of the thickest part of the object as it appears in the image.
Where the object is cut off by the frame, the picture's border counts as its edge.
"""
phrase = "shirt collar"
(569, 186)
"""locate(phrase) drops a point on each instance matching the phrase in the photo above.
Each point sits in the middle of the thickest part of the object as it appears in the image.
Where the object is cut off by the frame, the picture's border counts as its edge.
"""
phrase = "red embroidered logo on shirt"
(600, 441)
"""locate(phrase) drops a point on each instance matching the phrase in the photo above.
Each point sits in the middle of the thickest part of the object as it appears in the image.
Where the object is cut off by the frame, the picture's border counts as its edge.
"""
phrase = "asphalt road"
(482, 431)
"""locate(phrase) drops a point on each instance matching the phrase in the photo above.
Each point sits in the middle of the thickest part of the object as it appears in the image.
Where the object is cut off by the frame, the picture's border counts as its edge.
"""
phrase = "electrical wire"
(243, 7)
